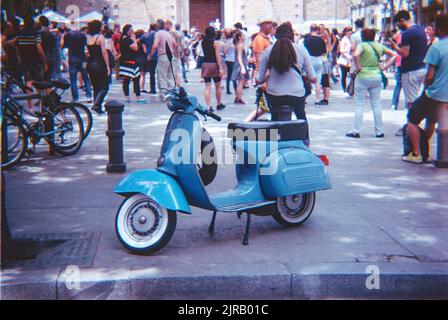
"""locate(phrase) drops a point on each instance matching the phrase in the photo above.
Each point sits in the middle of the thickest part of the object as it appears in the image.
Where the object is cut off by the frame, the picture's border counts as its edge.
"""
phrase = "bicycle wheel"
(86, 116)
(68, 131)
(16, 143)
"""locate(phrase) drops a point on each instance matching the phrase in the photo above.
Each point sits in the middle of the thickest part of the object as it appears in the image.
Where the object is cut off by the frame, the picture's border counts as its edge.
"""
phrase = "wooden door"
(202, 12)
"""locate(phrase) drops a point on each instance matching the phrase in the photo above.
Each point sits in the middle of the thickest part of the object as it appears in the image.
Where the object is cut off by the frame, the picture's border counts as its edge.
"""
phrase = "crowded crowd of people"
(283, 62)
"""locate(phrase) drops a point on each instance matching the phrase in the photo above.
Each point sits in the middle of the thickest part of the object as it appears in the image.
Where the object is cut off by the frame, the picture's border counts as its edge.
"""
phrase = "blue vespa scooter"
(281, 181)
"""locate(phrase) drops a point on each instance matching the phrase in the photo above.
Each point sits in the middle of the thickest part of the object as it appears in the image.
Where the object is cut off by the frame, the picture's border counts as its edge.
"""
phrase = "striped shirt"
(27, 40)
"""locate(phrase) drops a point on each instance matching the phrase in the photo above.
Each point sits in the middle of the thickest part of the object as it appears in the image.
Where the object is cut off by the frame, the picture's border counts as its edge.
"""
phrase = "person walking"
(129, 67)
(211, 68)
(431, 35)
(98, 64)
(317, 49)
(111, 51)
(335, 50)
(413, 49)
(163, 39)
(49, 45)
(261, 40)
(283, 68)
(398, 86)
(345, 57)
(240, 72)
(151, 62)
(229, 51)
(30, 52)
(142, 58)
(435, 96)
(75, 41)
(367, 57)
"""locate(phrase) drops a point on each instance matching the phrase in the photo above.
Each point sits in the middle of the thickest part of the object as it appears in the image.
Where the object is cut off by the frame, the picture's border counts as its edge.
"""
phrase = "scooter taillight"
(324, 159)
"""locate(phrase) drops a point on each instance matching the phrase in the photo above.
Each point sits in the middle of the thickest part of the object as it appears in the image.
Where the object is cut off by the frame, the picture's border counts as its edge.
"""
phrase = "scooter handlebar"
(209, 114)
(214, 116)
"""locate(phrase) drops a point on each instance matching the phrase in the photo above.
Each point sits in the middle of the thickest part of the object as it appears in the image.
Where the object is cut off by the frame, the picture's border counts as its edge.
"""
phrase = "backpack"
(424, 143)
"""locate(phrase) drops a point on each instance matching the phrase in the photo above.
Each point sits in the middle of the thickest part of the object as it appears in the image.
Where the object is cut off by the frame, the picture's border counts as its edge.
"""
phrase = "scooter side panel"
(294, 171)
(158, 186)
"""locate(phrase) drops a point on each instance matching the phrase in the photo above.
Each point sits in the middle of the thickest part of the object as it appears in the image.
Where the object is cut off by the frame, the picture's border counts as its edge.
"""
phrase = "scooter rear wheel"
(143, 226)
(294, 210)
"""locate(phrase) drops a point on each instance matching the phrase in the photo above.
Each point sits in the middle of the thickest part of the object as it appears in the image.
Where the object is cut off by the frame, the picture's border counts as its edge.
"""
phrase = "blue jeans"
(74, 68)
(373, 86)
(397, 89)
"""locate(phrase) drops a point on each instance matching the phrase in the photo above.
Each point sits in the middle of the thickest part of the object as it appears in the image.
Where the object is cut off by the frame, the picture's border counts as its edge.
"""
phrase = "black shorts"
(215, 79)
(424, 108)
(33, 72)
(325, 81)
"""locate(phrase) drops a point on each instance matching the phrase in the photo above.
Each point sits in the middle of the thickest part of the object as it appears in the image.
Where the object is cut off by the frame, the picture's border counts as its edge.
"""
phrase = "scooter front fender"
(159, 186)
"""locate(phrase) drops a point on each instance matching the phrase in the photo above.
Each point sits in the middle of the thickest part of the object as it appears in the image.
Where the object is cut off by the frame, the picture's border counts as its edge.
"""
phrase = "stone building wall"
(300, 12)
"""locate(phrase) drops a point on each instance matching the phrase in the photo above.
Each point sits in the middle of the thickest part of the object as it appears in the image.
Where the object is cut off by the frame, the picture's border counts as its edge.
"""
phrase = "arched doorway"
(204, 11)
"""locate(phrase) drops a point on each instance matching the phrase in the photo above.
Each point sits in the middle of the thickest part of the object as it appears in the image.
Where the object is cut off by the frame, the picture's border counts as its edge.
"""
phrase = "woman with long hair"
(229, 51)
(211, 68)
(345, 57)
(98, 65)
(240, 71)
(129, 67)
(285, 67)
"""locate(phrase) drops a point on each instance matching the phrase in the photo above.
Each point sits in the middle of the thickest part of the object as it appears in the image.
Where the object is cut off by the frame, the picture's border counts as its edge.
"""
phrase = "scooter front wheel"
(294, 210)
(143, 226)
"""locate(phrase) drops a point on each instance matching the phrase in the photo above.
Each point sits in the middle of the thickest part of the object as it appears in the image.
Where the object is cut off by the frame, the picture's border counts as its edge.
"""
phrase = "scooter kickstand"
(246, 234)
(211, 228)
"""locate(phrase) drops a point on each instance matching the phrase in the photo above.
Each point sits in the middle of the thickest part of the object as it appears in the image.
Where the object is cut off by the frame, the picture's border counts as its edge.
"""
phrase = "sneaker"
(412, 158)
(211, 109)
(347, 95)
(393, 108)
(141, 100)
(220, 106)
(380, 136)
(323, 102)
(353, 135)
(239, 101)
(399, 133)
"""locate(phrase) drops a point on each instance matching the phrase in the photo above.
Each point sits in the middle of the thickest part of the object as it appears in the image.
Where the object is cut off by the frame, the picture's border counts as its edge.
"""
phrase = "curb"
(211, 281)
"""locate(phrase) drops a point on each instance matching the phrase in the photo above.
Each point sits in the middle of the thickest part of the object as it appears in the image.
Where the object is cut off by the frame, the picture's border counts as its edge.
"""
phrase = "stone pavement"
(382, 214)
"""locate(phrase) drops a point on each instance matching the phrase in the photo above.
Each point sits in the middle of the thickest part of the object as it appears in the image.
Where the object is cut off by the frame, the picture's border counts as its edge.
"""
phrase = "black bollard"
(442, 137)
(115, 133)
(49, 127)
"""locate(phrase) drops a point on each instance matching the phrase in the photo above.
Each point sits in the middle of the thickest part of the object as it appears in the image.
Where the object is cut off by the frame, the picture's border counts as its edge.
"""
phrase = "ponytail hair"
(283, 56)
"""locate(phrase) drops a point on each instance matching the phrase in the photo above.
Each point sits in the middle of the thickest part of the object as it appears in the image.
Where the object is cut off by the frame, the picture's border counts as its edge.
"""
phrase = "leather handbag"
(209, 70)
(384, 78)
(306, 83)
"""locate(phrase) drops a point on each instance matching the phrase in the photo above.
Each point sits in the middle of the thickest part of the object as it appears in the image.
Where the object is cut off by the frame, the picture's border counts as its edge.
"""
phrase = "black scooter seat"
(287, 130)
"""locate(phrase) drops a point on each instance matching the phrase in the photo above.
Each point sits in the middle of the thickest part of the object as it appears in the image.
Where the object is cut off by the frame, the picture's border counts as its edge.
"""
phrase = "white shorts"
(412, 83)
